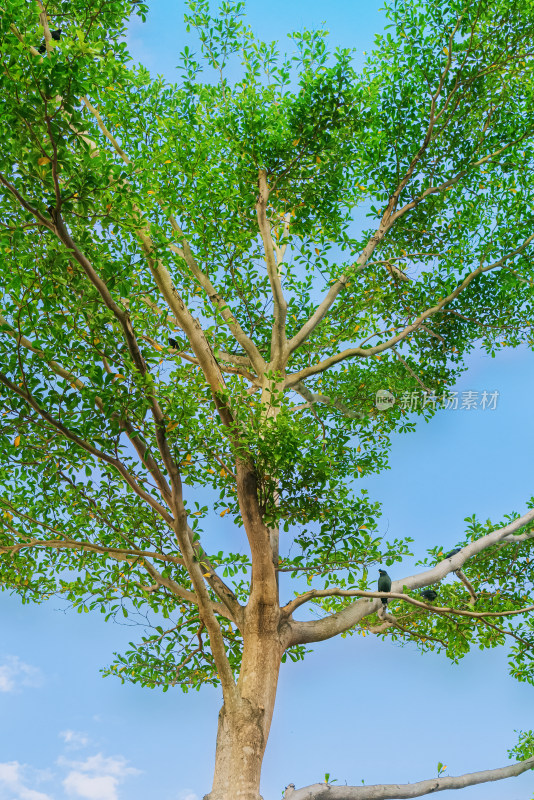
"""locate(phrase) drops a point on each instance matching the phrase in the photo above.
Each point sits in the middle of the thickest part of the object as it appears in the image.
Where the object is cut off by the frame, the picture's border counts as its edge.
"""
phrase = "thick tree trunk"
(239, 756)
(244, 729)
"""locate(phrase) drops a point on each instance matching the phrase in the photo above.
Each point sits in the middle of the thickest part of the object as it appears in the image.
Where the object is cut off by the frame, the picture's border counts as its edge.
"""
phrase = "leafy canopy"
(308, 235)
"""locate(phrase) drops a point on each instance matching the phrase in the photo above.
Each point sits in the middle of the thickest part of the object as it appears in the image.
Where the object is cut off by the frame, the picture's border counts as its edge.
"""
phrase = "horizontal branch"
(401, 791)
(303, 632)
(337, 592)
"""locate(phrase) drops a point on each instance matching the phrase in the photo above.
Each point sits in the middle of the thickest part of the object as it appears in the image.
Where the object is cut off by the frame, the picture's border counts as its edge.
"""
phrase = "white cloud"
(13, 779)
(111, 765)
(186, 794)
(96, 778)
(102, 787)
(15, 673)
(74, 739)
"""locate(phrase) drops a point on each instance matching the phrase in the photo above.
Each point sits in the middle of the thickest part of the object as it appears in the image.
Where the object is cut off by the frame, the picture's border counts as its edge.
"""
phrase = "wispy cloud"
(14, 783)
(74, 739)
(186, 794)
(96, 778)
(15, 673)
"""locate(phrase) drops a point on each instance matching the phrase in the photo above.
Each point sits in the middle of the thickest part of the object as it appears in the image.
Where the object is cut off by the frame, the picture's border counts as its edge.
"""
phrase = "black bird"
(384, 585)
(56, 35)
(173, 343)
(452, 553)
(429, 594)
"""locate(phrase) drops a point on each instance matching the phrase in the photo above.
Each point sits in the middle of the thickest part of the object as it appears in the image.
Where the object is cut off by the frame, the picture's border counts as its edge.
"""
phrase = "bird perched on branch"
(429, 594)
(452, 553)
(384, 585)
(173, 343)
(56, 35)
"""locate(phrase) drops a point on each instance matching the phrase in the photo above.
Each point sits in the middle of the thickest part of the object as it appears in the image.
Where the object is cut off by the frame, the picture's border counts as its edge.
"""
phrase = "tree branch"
(321, 791)
(89, 448)
(360, 352)
(278, 340)
(468, 586)
(337, 592)
(185, 253)
(312, 398)
(318, 630)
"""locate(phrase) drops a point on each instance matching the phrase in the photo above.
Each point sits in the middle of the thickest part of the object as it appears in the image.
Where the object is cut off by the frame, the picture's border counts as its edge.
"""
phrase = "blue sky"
(356, 708)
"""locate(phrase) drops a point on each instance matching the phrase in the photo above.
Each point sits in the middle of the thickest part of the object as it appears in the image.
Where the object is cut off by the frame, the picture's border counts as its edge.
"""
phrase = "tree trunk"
(243, 730)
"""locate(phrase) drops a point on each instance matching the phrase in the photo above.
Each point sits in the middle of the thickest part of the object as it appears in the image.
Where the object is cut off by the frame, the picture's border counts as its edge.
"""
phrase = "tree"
(221, 215)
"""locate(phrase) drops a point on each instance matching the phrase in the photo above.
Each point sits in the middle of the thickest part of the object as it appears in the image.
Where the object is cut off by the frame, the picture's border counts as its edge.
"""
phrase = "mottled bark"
(243, 731)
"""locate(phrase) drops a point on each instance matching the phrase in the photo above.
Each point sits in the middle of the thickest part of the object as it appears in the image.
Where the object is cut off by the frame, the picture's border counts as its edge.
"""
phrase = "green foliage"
(525, 746)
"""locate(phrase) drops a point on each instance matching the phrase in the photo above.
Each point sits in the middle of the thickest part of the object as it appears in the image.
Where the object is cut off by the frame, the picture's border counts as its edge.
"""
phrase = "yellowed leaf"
(158, 347)
(223, 473)
(43, 160)
(17, 441)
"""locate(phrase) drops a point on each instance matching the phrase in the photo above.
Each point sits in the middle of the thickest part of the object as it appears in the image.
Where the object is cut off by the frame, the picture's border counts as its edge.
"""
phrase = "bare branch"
(321, 791)
(468, 585)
